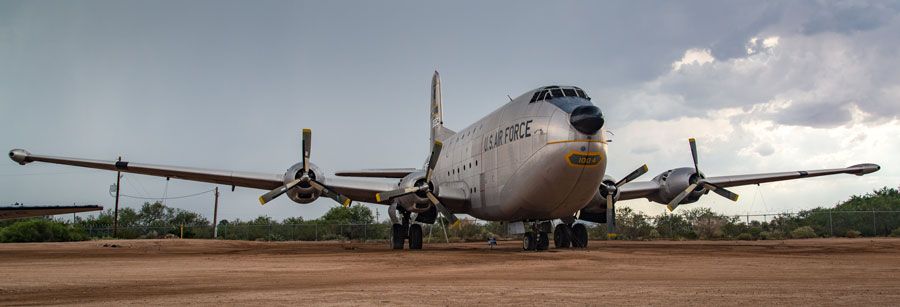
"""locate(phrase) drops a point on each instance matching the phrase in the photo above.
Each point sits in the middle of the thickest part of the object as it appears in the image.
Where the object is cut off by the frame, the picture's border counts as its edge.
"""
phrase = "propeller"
(612, 193)
(701, 181)
(305, 178)
(424, 187)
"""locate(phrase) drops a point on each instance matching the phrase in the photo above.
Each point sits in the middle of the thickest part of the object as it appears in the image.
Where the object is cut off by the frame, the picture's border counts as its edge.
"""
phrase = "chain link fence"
(630, 226)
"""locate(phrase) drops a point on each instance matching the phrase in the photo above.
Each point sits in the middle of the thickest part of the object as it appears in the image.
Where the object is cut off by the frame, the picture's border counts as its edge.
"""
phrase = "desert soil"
(205, 272)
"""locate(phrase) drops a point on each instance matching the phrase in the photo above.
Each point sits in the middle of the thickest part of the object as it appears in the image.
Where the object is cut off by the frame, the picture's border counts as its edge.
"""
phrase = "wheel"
(415, 236)
(562, 236)
(543, 241)
(579, 236)
(528, 242)
(397, 236)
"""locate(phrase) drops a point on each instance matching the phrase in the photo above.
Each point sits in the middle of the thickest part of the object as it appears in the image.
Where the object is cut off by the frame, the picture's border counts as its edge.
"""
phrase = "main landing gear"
(405, 230)
(537, 238)
(565, 235)
(574, 235)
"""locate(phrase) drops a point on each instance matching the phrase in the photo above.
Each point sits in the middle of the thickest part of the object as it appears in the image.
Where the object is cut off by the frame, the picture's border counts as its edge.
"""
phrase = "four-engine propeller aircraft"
(538, 158)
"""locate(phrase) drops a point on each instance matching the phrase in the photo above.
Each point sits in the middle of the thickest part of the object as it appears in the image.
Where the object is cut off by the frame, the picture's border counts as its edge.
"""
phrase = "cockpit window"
(554, 92)
(568, 104)
(581, 94)
(557, 93)
(534, 97)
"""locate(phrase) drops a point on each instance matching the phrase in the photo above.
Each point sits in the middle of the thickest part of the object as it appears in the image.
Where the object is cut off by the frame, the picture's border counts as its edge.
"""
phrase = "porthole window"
(476, 162)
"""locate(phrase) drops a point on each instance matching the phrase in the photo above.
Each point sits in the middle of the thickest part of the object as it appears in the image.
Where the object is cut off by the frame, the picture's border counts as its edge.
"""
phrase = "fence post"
(831, 222)
(365, 232)
(874, 228)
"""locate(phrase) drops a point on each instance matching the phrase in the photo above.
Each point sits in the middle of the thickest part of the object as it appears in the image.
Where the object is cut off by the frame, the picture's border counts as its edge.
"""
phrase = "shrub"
(40, 230)
(853, 233)
(745, 236)
(765, 235)
(804, 232)
(896, 232)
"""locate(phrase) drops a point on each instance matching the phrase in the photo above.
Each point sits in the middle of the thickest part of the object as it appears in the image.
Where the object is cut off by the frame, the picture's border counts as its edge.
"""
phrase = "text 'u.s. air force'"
(506, 135)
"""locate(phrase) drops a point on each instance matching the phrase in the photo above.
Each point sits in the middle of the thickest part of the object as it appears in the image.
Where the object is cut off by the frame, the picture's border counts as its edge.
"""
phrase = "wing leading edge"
(642, 189)
(17, 212)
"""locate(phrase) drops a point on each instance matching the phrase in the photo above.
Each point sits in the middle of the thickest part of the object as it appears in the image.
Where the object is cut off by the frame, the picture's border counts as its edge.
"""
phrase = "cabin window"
(557, 92)
(535, 96)
(580, 93)
(569, 92)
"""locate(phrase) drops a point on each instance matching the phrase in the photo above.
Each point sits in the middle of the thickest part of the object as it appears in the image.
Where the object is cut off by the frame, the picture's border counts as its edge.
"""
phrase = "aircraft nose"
(586, 119)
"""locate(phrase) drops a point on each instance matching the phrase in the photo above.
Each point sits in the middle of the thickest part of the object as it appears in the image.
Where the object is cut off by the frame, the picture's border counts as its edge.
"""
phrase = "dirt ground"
(140, 272)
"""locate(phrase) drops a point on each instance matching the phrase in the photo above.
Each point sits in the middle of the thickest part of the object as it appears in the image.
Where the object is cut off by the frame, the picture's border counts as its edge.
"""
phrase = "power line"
(165, 198)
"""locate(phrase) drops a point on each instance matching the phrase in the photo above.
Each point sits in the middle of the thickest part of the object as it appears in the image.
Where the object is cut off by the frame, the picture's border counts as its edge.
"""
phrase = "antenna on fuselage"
(510, 98)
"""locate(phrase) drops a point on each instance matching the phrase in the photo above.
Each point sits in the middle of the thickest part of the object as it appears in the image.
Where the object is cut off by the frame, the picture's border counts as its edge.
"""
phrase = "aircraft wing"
(639, 189)
(378, 173)
(357, 190)
(15, 212)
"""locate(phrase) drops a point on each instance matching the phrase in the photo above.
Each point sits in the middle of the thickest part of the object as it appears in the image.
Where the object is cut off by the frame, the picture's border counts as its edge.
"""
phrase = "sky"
(763, 86)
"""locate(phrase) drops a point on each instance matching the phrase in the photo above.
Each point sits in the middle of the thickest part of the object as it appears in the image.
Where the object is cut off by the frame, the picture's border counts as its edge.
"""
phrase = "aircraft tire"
(562, 236)
(415, 236)
(543, 241)
(397, 236)
(579, 236)
(528, 242)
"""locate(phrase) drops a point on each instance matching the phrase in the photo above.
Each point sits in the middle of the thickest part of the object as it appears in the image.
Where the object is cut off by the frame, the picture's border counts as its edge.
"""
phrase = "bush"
(765, 235)
(853, 233)
(40, 230)
(896, 232)
(745, 236)
(804, 232)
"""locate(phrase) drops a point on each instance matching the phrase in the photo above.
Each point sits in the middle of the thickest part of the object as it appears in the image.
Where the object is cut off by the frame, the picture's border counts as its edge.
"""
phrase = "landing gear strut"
(537, 238)
(405, 230)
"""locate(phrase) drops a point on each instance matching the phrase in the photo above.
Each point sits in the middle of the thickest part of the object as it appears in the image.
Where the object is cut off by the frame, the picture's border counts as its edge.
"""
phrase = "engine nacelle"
(304, 193)
(673, 182)
(416, 202)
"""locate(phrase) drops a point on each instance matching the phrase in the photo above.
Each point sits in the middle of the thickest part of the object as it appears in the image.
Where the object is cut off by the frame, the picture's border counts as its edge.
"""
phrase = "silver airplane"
(539, 158)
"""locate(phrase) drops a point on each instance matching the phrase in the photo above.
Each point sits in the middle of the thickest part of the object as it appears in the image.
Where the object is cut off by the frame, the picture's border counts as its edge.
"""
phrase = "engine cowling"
(415, 202)
(304, 193)
(673, 182)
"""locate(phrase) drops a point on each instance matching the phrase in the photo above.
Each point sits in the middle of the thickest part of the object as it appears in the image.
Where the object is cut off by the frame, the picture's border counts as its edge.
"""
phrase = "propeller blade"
(432, 161)
(277, 192)
(694, 153)
(677, 200)
(341, 199)
(454, 221)
(379, 197)
(721, 191)
(307, 139)
(634, 175)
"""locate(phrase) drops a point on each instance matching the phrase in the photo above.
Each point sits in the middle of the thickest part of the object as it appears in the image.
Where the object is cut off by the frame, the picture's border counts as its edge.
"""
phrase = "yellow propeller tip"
(691, 140)
(307, 130)
(262, 201)
(347, 203)
(645, 168)
(438, 143)
(670, 208)
(455, 224)
(377, 197)
(736, 197)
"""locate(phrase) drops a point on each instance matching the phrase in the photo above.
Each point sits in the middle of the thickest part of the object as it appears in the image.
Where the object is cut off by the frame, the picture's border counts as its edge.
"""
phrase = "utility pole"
(116, 212)
(216, 215)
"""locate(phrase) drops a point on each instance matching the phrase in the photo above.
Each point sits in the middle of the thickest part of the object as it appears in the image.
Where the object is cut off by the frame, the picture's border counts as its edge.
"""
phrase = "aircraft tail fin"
(438, 132)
